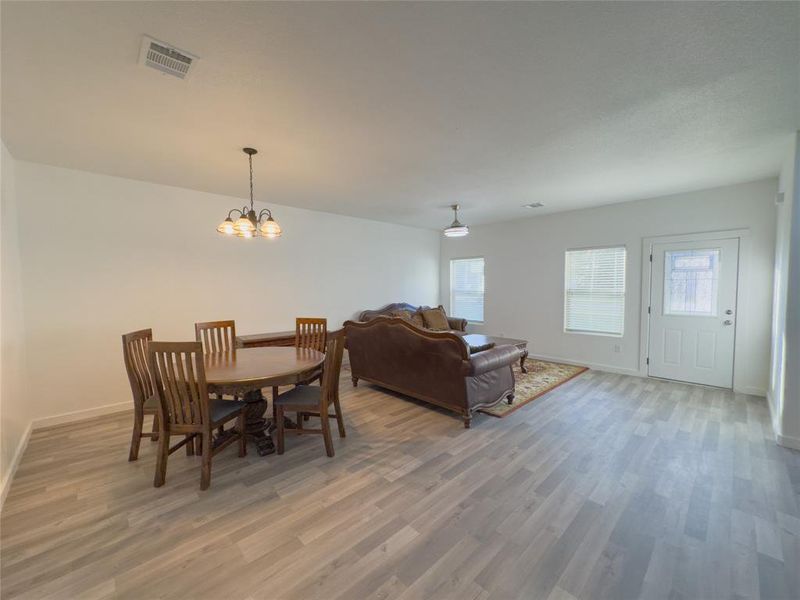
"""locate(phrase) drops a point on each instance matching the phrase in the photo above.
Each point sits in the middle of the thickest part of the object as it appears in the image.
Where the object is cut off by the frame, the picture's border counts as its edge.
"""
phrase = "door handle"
(729, 312)
(727, 322)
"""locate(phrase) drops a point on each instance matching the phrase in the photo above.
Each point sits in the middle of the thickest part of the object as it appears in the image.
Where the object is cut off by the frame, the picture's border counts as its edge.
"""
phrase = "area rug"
(542, 376)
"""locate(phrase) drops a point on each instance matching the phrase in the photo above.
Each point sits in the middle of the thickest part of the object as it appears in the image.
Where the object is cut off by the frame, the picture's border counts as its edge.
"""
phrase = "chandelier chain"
(251, 180)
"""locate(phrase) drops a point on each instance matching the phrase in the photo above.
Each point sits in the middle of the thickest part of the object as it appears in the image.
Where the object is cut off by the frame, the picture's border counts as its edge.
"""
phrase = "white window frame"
(483, 297)
(624, 291)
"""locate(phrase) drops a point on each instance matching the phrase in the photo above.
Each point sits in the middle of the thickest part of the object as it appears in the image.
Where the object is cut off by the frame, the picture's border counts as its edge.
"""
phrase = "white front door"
(693, 311)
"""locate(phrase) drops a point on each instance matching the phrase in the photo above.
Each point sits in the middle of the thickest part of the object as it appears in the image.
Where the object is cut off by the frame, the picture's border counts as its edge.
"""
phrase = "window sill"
(613, 335)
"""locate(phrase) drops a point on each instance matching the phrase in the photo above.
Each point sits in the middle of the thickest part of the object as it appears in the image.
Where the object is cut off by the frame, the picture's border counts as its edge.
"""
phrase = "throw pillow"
(435, 319)
(417, 319)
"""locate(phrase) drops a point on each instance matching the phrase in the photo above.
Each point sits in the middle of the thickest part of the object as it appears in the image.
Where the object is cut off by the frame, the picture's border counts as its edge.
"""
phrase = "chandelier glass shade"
(456, 229)
(247, 223)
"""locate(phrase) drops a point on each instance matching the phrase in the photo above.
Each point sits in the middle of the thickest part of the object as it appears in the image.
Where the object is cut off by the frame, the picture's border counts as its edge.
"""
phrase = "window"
(690, 282)
(594, 291)
(466, 288)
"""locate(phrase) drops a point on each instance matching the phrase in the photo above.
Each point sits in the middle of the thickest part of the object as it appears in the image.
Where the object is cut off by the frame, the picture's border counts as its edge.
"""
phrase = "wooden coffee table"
(478, 339)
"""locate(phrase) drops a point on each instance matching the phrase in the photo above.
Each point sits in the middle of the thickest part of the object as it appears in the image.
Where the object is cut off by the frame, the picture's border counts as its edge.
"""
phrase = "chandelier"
(248, 224)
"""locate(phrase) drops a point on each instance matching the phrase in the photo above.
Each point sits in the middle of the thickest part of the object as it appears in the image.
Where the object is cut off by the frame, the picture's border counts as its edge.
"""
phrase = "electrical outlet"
(617, 348)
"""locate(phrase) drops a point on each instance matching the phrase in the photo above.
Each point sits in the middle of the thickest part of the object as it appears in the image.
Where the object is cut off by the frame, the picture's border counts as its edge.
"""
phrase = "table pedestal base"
(255, 425)
(244, 372)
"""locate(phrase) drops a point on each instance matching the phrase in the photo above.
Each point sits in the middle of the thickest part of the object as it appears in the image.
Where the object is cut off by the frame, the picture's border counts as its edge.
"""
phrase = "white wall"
(525, 272)
(15, 414)
(104, 255)
(784, 385)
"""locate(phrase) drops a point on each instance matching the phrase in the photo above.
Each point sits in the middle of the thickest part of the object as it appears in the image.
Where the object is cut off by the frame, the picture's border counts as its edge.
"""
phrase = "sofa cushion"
(435, 319)
(481, 348)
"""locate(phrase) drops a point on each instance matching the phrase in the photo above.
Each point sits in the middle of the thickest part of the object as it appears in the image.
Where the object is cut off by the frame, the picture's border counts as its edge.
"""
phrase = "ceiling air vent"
(167, 59)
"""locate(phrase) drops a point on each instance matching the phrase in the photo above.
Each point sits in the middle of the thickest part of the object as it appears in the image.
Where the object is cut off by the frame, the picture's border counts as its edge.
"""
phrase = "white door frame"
(744, 259)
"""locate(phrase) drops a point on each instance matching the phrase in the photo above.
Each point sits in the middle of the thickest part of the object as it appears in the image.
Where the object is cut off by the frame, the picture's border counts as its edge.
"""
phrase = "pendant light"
(456, 229)
(248, 224)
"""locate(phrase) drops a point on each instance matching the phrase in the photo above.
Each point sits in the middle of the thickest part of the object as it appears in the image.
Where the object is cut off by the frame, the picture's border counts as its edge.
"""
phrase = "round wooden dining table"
(244, 372)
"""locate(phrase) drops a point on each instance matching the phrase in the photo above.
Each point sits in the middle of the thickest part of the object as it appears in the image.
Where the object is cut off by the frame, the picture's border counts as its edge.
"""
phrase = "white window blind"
(466, 288)
(594, 291)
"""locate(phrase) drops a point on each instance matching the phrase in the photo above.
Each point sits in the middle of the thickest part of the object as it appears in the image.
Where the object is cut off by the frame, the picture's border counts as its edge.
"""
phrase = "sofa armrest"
(489, 360)
(457, 324)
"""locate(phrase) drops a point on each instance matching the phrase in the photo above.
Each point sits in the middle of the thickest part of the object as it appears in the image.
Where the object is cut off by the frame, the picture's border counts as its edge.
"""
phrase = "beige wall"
(15, 413)
(104, 255)
(525, 273)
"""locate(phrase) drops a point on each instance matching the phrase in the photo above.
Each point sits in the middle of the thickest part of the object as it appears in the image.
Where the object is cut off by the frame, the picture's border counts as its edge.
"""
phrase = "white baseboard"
(77, 415)
(594, 366)
(80, 415)
(789, 441)
(6, 484)
(751, 391)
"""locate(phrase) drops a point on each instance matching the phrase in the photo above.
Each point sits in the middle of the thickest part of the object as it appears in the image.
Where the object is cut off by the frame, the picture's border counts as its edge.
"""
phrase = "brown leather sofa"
(456, 324)
(430, 365)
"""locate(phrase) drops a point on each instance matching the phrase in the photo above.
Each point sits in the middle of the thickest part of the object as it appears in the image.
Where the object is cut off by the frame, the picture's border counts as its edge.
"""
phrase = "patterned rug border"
(514, 409)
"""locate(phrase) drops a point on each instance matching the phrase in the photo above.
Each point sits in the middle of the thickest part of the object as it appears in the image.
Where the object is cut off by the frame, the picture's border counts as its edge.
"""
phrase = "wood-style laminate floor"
(608, 487)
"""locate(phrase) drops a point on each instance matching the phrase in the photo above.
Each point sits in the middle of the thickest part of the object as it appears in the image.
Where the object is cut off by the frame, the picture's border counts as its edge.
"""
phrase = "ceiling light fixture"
(456, 229)
(533, 205)
(248, 225)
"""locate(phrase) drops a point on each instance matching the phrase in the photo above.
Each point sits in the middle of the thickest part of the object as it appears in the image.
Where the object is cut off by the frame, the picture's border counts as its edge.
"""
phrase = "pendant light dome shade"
(227, 227)
(243, 224)
(270, 228)
(456, 229)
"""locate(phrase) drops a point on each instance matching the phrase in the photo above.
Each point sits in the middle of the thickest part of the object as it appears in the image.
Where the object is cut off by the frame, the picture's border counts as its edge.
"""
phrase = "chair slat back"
(216, 336)
(134, 353)
(332, 366)
(180, 381)
(310, 332)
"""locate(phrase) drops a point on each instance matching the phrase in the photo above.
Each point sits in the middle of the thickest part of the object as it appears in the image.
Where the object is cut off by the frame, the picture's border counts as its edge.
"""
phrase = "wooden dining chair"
(310, 332)
(216, 336)
(316, 400)
(145, 400)
(184, 406)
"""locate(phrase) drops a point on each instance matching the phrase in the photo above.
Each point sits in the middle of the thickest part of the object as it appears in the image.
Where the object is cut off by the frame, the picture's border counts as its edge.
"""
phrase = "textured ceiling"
(393, 111)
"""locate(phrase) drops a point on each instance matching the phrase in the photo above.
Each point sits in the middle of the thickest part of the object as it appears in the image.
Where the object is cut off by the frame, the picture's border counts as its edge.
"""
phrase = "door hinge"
(651, 257)
(648, 310)
(647, 360)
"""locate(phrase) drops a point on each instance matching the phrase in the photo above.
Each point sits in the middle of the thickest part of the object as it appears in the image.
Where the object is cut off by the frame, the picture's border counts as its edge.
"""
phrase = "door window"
(691, 282)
